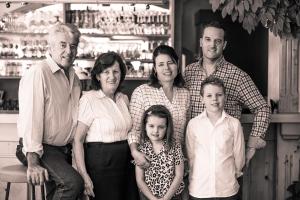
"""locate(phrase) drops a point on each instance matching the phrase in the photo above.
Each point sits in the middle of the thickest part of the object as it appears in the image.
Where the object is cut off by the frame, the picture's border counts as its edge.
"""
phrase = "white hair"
(66, 28)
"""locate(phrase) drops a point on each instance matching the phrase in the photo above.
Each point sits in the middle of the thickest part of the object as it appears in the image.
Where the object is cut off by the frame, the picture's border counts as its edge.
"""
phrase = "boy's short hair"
(212, 80)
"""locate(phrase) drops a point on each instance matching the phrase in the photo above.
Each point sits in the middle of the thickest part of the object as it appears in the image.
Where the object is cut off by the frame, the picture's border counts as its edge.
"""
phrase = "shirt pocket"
(225, 141)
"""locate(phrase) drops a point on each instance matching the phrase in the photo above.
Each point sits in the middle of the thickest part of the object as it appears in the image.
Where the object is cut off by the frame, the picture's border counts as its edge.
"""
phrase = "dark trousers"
(240, 192)
(65, 182)
(234, 197)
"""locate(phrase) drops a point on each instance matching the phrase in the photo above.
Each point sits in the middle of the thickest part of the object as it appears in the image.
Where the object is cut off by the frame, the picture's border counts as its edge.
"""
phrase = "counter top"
(8, 118)
(246, 118)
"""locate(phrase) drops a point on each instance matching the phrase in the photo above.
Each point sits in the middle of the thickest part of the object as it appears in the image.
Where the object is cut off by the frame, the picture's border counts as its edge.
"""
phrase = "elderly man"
(48, 99)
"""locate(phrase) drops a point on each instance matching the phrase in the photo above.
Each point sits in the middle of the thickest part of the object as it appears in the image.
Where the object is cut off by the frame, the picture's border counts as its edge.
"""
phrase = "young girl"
(163, 180)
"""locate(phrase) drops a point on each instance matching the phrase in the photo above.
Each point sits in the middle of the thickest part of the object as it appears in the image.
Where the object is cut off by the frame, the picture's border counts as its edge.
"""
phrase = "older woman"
(103, 124)
(166, 87)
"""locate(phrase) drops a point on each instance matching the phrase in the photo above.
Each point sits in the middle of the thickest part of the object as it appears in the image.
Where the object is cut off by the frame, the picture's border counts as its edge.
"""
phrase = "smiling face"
(63, 49)
(156, 128)
(213, 98)
(212, 43)
(110, 79)
(165, 68)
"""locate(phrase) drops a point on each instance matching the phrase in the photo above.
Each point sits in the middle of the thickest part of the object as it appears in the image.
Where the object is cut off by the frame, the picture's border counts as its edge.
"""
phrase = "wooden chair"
(17, 174)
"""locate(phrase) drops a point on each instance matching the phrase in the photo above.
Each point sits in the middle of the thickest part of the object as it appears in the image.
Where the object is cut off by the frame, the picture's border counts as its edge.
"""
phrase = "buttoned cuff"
(256, 142)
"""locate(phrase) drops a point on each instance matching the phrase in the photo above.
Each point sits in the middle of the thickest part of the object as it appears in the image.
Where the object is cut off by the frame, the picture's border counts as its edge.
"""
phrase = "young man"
(240, 88)
(48, 99)
(215, 147)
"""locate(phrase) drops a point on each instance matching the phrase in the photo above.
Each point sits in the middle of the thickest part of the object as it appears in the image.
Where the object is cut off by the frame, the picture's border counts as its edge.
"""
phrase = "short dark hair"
(161, 112)
(215, 24)
(212, 80)
(104, 61)
(165, 49)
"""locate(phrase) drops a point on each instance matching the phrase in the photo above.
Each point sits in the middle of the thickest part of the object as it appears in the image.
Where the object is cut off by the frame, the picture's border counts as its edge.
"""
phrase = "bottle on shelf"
(120, 22)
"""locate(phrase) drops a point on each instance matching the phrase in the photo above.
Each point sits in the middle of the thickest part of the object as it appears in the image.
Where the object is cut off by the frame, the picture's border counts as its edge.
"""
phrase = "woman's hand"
(88, 186)
(141, 159)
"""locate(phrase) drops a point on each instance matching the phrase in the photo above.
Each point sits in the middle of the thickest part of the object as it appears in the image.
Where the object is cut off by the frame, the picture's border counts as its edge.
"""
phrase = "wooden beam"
(89, 1)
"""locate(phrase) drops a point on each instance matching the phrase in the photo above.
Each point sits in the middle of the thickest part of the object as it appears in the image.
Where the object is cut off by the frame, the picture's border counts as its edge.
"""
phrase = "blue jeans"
(65, 182)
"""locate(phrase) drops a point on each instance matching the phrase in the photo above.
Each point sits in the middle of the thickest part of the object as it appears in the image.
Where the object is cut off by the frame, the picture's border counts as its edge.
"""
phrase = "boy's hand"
(249, 155)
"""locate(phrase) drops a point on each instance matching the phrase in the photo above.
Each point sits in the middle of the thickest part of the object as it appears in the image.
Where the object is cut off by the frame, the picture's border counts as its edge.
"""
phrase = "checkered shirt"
(145, 96)
(240, 90)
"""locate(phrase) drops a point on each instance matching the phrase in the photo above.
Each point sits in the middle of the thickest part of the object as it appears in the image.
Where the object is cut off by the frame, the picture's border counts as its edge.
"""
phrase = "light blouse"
(145, 96)
(108, 121)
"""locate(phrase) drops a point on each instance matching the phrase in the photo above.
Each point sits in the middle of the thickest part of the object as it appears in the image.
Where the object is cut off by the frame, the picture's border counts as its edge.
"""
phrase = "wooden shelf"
(127, 60)
(154, 2)
(33, 59)
(10, 77)
(126, 78)
(126, 36)
(10, 33)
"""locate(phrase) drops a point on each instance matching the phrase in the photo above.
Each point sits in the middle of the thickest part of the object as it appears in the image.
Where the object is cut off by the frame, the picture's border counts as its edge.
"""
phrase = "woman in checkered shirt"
(165, 87)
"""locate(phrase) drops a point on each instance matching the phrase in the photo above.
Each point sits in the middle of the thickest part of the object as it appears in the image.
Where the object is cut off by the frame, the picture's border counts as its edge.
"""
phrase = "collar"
(223, 116)
(52, 64)
(149, 145)
(219, 64)
(100, 94)
(55, 68)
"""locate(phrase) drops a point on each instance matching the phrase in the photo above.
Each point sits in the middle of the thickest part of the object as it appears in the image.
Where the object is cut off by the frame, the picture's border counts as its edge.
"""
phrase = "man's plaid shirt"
(240, 90)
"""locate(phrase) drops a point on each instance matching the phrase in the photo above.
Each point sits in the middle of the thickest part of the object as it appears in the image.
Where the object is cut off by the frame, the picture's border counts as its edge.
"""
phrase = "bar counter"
(270, 172)
(246, 118)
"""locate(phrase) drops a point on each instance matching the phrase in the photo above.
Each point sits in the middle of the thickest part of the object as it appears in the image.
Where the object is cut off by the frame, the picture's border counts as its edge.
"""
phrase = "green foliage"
(282, 17)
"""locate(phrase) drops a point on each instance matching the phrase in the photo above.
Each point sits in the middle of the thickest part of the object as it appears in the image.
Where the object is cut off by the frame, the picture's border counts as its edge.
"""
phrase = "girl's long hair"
(161, 112)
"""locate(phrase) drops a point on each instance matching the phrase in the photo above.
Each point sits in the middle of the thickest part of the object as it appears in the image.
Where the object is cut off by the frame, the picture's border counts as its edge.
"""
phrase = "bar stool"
(18, 174)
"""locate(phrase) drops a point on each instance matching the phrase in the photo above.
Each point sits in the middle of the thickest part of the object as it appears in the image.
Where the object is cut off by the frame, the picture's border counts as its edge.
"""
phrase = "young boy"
(215, 147)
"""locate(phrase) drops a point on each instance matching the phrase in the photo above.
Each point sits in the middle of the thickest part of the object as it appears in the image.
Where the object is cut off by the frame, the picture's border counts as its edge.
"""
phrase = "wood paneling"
(289, 76)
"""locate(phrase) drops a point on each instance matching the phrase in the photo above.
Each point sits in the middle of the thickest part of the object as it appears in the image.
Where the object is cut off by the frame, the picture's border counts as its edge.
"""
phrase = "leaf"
(224, 12)
(240, 8)
(214, 4)
(246, 5)
(246, 25)
(269, 16)
(272, 11)
(234, 15)
(280, 22)
(298, 19)
(256, 4)
(230, 5)
(287, 27)
(274, 30)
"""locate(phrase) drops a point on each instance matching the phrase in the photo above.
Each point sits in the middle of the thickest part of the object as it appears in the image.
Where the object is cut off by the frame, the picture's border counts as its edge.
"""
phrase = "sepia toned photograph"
(150, 100)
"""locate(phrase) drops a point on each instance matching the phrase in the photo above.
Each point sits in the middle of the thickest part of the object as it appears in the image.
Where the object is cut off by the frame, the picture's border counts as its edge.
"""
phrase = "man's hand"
(36, 174)
(141, 159)
(249, 155)
(88, 186)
